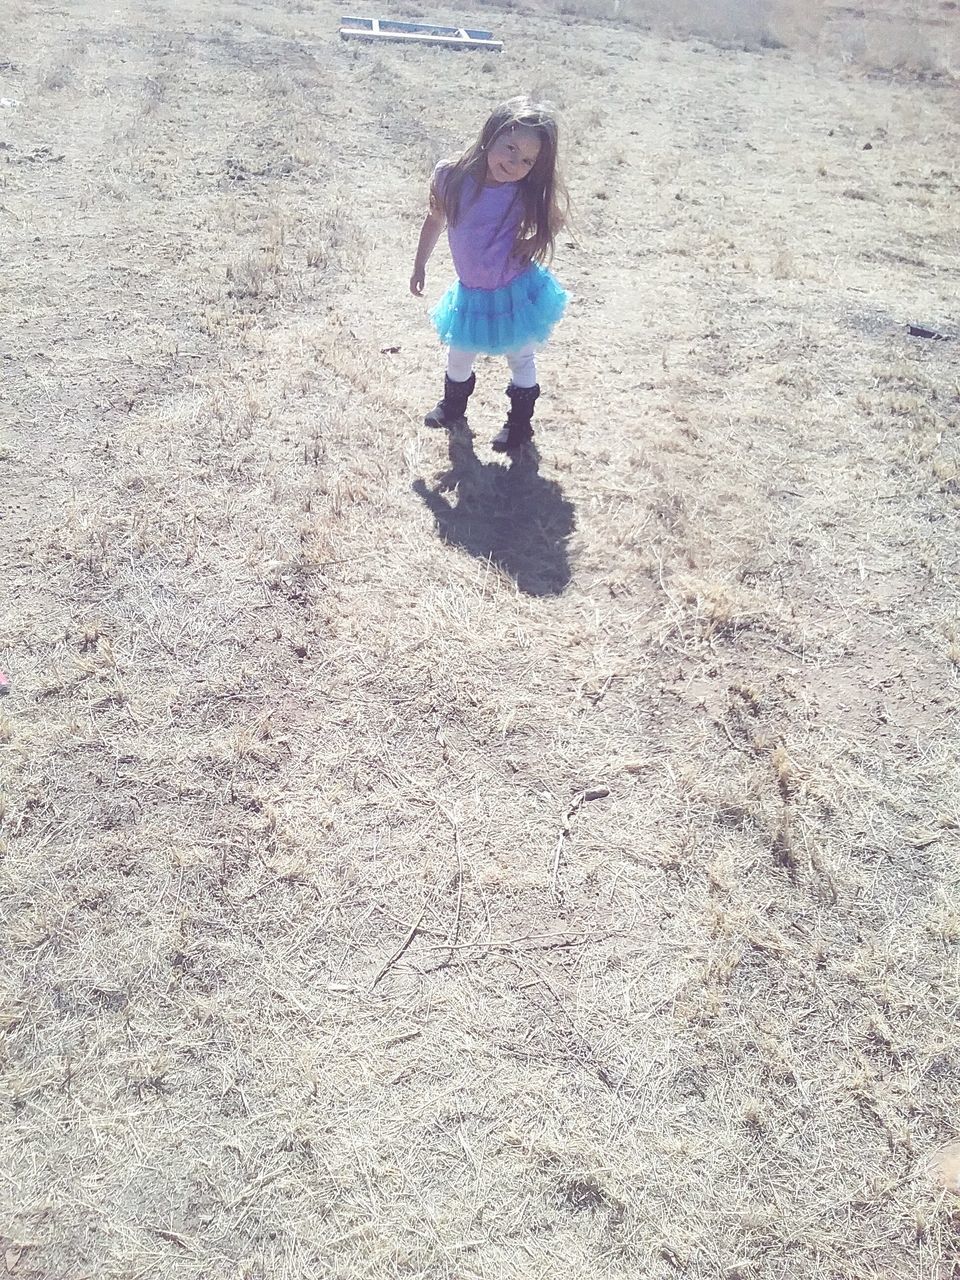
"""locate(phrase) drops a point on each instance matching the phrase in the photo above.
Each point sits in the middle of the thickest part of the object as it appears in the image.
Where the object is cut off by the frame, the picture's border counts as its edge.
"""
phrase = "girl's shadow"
(508, 514)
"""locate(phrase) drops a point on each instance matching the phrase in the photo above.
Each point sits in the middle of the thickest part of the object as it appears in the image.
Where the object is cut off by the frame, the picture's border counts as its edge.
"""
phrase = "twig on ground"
(670, 596)
(173, 1237)
(557, 850)
(401, 949)
(591, 793)
(580, 1047)
(729, 736)
(455, 931)
(261, 888)
(540, 941)
(454, 934)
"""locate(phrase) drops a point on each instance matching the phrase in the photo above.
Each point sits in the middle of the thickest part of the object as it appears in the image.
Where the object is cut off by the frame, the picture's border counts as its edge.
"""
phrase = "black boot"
(451, 409)
(518, 429)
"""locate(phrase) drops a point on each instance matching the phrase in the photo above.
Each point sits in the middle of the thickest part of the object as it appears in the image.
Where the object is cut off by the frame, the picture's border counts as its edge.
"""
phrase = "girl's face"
(513, 154)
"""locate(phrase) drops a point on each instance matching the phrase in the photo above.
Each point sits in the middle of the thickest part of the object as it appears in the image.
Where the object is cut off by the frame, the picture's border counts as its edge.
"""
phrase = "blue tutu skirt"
(496, 321)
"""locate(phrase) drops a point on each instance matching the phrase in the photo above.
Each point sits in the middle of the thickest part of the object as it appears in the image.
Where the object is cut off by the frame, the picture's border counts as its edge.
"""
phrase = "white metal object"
(418, 33)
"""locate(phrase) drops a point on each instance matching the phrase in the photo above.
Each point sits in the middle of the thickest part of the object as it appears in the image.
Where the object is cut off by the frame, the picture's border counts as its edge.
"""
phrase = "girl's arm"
(433, 225)
(430, 232)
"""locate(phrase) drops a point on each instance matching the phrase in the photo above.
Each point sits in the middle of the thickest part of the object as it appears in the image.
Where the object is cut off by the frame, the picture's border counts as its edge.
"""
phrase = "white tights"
(522, 362)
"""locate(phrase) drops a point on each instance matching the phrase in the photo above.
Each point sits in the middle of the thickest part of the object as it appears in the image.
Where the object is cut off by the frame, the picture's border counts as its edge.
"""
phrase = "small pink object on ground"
(4, 683)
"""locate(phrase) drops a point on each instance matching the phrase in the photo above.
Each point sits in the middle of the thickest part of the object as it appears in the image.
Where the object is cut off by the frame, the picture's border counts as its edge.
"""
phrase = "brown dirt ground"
(318, 960)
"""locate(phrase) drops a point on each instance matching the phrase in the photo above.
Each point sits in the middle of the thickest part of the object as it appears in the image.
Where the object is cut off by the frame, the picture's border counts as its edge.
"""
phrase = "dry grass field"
(417, 865)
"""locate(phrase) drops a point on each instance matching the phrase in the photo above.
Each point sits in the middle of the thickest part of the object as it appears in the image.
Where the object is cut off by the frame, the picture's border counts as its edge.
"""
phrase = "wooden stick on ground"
(592, 793)
(454, 935)
(401, 949)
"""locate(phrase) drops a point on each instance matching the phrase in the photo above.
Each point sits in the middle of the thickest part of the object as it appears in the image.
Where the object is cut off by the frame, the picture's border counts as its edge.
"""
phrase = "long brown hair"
(543, 195)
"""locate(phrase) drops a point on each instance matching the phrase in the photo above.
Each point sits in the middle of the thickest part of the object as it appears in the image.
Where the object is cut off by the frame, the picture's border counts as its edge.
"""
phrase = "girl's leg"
(458, 385)
(460, 364)
(523, 392)
(523, 365)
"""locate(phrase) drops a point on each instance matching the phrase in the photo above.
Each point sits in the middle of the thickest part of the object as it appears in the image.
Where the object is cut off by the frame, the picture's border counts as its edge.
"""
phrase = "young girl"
(503, 202)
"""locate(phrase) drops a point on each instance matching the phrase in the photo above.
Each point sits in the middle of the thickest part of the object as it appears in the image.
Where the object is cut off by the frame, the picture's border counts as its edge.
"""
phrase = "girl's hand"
(417, 281)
